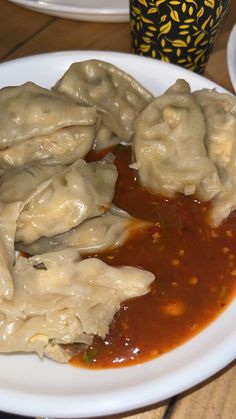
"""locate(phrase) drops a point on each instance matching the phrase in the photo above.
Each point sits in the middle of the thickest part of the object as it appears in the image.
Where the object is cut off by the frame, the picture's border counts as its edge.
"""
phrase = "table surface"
(24, 32)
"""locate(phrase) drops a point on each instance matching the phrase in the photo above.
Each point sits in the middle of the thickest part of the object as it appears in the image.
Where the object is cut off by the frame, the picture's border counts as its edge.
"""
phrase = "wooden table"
(22, 33)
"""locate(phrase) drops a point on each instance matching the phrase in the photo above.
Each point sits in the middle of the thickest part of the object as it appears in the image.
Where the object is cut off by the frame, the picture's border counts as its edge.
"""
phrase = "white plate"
(43, 388)
(90, 10)
(231, 56)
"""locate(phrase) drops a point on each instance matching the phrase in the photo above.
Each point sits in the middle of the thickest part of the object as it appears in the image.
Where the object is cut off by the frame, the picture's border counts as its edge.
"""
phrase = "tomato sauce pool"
(194, 266)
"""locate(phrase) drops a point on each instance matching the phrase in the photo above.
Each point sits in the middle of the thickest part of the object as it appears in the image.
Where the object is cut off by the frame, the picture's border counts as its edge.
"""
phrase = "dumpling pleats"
(29, 110)
(116, 95)
(169, 147)
(82, 190)
(220, 115)
(108, 231)
(14, 194)
(8, 218)
(38, 124)
(60, 300)
(61, 147)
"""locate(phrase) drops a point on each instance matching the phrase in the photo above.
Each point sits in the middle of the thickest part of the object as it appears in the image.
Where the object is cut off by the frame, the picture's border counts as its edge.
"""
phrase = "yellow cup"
(178, 31)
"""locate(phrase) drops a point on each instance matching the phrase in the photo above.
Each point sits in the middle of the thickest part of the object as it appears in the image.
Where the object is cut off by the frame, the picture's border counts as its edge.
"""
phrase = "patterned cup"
(178, 31)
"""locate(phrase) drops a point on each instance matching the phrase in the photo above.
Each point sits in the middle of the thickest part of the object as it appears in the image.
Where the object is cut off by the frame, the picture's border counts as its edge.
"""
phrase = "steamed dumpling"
(116, 95)
(15, 191)
(82, 190)
(8, 218)
(60, 300)
(23, 184)
(72, 194)
(104, 138)
(63, 146)
(108, 231)
(29, 111)
(220, 114)
(169, 147)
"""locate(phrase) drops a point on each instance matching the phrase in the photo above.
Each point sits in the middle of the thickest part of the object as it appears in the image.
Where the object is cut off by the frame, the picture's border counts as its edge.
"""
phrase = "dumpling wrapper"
(60, 147)
(220, 114)
(29, 110)
(61, 300)
(116, 95)
(14, 195)
(83, 190)
(19, 187)
(108, 231)
(22, 184)
(8, 218)
(104, 138)
(169, 148)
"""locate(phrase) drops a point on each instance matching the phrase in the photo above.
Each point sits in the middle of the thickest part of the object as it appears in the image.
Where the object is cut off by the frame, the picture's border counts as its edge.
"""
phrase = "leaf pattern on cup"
(182, 32)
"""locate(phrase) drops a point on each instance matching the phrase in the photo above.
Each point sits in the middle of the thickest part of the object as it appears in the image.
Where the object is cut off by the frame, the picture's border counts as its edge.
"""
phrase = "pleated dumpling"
(29, 110)
(104, 138)
(15, 191)
(82, 190)
(108, 231)
(38, 124)
(169, 148)
(8, 219)
(117, 96)
(220, 114)
(63, 146)
(23, 184)
(60, 299)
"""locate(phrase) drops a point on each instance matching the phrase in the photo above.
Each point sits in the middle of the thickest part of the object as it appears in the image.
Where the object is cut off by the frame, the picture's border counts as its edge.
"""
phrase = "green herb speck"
(89, 356)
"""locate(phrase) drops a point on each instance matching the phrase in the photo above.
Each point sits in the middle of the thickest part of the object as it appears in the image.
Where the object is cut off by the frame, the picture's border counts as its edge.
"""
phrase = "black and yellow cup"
(177, 31)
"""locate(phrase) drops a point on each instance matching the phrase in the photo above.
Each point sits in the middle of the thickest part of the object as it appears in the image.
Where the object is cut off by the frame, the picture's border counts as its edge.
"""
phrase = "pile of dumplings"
(57, 207)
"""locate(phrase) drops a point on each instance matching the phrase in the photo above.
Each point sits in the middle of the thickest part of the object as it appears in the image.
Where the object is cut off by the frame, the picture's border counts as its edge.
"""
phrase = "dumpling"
(220, 114)
(108, 231)
(169, 147)
(28, 111)
(104, 138)
(116, 95)
(15, 191)
(22, 184)
(82, 190)
(8, 218)
(61, 147)
(61, 300)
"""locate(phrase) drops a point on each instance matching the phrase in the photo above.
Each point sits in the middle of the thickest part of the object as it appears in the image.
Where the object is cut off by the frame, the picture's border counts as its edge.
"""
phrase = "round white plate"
(34, 387)
(231, 56)
(89, 10)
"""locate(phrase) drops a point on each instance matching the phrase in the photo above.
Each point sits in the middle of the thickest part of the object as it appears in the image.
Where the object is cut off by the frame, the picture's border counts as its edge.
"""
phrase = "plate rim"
(106, 53)
(137, 402)
(67, 8)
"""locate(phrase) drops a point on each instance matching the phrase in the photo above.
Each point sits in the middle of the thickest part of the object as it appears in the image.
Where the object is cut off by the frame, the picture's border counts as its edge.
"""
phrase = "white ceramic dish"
(231, 56)
(29, 386)
(89, 10)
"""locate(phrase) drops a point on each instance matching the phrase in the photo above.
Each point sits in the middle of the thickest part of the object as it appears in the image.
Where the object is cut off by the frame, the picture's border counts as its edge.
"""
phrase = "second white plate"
(231, 57)
(89, 10)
